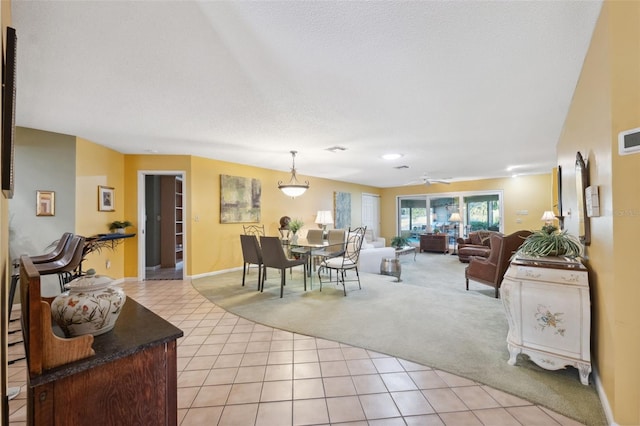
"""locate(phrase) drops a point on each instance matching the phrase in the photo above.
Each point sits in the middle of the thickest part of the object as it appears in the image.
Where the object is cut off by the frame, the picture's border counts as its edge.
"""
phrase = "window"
(432, 213)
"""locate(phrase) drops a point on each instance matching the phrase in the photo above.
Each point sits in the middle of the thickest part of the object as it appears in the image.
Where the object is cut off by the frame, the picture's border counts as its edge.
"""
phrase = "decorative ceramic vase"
(91, 305)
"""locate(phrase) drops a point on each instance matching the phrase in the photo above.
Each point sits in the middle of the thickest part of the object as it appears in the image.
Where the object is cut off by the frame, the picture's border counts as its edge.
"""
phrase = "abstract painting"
(239, 199)
(342, 210)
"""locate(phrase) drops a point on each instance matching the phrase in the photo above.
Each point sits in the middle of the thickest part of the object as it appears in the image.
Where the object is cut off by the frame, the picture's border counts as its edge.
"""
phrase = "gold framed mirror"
(582, 181)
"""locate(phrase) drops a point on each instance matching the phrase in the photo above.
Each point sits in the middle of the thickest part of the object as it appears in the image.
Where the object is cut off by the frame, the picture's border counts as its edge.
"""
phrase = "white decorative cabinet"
(549, 312)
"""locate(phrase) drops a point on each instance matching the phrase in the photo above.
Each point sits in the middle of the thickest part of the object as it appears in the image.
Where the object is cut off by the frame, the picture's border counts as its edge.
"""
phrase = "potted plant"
(399, 241)
(549, 241)
(295, 225)
(119, 226)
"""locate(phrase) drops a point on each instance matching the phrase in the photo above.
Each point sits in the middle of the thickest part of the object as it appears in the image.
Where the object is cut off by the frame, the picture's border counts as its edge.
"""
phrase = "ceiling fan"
(426, 180)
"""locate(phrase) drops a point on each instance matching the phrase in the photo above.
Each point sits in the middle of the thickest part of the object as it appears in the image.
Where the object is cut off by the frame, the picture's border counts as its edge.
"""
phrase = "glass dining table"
(311, 249)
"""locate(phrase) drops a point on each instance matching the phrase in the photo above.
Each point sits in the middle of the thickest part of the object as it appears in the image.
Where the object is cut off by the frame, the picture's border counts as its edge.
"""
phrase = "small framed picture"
(45, 203)
(106, 199)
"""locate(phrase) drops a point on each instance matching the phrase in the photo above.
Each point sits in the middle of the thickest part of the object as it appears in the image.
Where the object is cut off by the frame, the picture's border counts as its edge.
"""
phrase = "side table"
(406, 250)
(391, 266)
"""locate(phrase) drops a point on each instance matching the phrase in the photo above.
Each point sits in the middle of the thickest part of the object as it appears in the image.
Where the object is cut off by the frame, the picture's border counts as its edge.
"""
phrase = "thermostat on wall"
(629, 141)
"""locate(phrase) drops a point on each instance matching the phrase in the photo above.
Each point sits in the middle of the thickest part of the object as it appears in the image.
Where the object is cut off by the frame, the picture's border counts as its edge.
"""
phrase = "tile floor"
(233, 371)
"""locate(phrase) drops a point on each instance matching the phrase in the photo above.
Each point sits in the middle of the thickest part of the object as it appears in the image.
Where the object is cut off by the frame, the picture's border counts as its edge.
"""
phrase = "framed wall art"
(239, 199)
(106, 199)
(342, 210)
(45, 203)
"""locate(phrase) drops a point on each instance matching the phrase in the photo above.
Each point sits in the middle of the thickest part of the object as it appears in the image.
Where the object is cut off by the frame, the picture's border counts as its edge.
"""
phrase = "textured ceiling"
(463, 89)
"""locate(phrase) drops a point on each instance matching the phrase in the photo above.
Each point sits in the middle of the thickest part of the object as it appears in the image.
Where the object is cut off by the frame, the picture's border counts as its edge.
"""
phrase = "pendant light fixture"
(293, 188)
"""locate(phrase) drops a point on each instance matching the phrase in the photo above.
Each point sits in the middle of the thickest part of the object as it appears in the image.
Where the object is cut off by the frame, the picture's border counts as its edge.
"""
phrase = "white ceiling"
(463, 89)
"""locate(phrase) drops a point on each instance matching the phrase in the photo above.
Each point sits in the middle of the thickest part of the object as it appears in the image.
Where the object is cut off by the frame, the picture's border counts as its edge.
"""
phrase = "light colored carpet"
(427, 318)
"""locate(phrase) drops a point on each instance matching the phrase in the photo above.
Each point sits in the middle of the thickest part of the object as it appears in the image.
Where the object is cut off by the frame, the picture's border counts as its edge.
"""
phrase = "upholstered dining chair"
(348, 261)
(335, 247)
(273, 256)
(491, 270)
(252, 255)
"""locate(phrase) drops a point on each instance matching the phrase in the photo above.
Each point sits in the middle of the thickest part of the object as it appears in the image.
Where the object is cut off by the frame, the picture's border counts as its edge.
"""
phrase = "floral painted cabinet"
(549, 312)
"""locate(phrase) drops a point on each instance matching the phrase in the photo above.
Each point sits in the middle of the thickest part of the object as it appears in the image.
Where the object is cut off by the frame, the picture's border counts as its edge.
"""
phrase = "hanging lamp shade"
(293, 188)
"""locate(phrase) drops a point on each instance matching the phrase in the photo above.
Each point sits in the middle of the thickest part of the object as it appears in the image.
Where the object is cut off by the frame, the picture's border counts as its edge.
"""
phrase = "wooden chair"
(252, 255)
(348, 261)
(273, 257)
(491, 270)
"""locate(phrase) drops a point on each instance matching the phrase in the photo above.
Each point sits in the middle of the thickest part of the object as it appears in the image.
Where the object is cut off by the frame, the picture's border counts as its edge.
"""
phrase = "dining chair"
(335, 246)
(273, 256)
(314, 236)
(251, 255)
(348, 261)
(257, 230)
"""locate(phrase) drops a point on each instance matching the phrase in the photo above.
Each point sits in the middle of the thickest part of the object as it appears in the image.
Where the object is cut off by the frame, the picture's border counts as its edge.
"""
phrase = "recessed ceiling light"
(393, 156)
(151, 151)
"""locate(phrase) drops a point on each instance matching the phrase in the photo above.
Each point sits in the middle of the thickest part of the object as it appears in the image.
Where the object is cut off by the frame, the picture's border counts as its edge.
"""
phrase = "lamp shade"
(548, 216)
(455, 217)
(324, 217)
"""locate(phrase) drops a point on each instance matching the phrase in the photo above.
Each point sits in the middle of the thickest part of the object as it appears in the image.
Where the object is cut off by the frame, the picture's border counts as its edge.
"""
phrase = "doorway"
(161, 248)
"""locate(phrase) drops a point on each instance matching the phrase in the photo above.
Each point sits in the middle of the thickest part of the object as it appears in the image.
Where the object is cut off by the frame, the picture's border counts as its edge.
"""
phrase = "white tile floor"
(232, 371)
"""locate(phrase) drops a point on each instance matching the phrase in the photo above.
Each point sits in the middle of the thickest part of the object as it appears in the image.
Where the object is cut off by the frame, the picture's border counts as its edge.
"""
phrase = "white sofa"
(372, 252)
(371, 240)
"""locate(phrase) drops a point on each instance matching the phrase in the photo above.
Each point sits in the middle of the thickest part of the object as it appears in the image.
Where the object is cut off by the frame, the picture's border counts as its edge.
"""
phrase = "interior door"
(371, 213)
(163, 231)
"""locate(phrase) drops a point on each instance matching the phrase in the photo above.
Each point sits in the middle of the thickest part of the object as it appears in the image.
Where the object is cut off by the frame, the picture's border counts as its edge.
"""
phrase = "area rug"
(428, 318)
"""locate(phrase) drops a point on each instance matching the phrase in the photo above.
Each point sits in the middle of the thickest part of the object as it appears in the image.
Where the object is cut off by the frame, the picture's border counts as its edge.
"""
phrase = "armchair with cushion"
(477, 244)
(490, 271)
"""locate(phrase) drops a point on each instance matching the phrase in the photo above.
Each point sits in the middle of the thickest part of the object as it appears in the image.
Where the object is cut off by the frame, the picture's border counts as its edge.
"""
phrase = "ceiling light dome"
(293, 188)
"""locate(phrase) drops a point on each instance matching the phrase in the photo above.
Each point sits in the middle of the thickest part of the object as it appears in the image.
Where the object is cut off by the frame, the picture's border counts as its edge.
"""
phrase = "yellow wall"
(532, 193)
(607, 101)
(210, 245)
(99, 166)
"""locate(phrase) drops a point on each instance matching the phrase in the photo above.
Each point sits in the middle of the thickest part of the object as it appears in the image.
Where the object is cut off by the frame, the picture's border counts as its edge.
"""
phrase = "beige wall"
(607, 101)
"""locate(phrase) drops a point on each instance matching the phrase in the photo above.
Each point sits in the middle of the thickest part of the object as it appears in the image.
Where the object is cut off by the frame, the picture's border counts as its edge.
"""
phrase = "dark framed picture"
(8, 113)
(106, 199)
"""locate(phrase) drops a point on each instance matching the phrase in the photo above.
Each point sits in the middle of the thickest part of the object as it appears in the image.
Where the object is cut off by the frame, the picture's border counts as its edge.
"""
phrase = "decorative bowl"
(91, 305)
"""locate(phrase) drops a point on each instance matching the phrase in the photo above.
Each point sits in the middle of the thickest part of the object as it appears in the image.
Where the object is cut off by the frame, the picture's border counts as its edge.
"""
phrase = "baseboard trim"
(606, 407)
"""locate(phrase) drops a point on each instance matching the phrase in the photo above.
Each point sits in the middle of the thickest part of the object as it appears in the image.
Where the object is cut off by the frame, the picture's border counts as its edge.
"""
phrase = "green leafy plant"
(399, 241)
(119, 224)
(549, 241)
(295, 225)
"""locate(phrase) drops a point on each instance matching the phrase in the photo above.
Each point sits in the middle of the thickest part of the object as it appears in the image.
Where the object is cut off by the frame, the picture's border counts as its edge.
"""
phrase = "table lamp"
(324, 218)
(548, 217)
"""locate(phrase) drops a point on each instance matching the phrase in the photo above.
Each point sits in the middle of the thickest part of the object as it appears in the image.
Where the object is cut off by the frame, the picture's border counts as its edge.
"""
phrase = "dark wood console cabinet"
(434, 242)
(127, 376)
